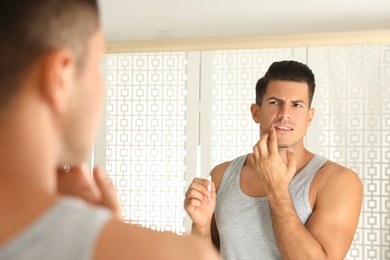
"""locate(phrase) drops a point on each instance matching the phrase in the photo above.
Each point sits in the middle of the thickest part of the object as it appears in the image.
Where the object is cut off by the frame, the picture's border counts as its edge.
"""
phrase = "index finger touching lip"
(272, 143)
(262, 144)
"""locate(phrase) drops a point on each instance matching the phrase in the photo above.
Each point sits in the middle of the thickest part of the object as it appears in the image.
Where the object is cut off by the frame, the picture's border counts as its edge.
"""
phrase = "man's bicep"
(336, 214)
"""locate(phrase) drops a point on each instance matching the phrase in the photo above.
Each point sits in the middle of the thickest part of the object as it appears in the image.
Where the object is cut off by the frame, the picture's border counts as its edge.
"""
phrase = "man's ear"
(310, 117)
(255, 111)
(58, 78)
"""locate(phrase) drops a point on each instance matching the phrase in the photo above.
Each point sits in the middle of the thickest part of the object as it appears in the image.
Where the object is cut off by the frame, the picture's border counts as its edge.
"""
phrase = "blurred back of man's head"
(31, 28)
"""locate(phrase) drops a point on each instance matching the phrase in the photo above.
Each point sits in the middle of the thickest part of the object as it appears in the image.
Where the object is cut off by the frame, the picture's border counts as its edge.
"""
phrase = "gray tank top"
(68, 230)
(244, 223)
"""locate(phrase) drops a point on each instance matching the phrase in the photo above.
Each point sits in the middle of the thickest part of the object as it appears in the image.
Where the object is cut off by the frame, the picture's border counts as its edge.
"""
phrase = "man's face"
(285, 106)
(87, 100)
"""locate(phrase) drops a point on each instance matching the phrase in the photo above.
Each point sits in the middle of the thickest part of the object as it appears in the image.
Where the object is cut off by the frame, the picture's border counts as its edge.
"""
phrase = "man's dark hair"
(31, 28)
(289, 71)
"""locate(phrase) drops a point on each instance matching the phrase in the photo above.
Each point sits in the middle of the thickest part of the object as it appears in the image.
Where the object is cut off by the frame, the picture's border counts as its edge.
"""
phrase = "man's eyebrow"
(275, 98)
(298, 101)
(281, 100)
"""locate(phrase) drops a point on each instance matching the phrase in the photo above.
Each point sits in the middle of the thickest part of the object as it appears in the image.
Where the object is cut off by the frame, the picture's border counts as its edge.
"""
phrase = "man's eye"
(297, 105)
(274, 102)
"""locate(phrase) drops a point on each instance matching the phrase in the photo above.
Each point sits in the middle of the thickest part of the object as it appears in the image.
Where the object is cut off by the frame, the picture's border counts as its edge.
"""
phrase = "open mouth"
(284, 128)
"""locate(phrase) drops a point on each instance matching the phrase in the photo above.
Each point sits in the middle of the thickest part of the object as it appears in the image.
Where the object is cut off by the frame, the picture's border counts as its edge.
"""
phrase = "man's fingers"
(272, 141)
(198, 189)
(109, 196)
(263, 145)
(77, 181)
(198, 193)
(194, 198)
(256, 152)
(213, 192)
(203, 182)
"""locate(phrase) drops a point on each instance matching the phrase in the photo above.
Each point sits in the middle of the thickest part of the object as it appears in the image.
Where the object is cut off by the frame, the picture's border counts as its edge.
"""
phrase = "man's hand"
(200, 204)
(269, 166)
(77, 181)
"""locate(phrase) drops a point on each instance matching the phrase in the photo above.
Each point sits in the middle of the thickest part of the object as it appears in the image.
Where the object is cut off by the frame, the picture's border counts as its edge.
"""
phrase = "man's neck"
(27, 147)
(302, 156)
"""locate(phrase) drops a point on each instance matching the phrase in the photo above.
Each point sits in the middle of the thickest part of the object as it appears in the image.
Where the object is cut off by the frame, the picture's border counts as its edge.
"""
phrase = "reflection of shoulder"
(217, 173)
(333, 177)
(220, 168)
(335, 170)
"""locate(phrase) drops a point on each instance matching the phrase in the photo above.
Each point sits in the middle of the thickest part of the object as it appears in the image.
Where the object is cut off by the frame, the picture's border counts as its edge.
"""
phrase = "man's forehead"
(294, 90)
(284, 85)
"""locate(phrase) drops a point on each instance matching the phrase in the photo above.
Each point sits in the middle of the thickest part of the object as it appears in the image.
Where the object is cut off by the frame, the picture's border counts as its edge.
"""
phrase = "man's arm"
(330, 230)
(200, 209)
(200, 204)
(123, 241)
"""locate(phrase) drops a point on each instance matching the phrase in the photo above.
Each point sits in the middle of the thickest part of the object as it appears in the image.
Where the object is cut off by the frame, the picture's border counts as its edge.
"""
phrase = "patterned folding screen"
(146, 136)
(353, 128)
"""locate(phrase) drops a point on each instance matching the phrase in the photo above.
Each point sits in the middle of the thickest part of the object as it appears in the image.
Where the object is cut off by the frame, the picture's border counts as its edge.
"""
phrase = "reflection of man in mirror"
(281, 201)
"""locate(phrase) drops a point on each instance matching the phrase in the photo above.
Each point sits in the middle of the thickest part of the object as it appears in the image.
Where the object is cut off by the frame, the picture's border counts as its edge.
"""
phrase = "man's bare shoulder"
(125, 241)
(333, 177)
(220, 168)
(217, 173)
(336, 201)
(331, 170)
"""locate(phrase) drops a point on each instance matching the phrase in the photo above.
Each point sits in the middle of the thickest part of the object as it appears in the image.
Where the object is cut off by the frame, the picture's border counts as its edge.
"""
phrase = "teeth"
(283, 128)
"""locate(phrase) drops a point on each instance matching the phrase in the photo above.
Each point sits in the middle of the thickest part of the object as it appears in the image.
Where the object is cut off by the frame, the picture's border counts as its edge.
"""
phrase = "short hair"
(287, 70)
(31, 28)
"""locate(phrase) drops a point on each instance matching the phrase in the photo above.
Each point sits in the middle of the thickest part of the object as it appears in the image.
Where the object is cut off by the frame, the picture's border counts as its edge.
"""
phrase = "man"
(281, 201)
(51, 93)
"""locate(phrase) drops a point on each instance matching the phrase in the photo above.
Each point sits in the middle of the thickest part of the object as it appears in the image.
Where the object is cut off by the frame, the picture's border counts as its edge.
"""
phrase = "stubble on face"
(285, 107)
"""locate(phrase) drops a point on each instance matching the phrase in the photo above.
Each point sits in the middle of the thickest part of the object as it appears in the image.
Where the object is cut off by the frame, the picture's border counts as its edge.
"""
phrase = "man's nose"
(284, 112)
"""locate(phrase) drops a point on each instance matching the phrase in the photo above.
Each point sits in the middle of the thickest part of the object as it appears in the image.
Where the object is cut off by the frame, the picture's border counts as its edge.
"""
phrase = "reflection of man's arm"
(337, 201)
(200, 204)
(329, 231)
(204, 224)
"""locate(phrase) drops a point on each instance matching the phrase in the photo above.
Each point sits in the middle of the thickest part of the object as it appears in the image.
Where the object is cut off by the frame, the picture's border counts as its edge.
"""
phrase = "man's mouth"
(285, 128)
